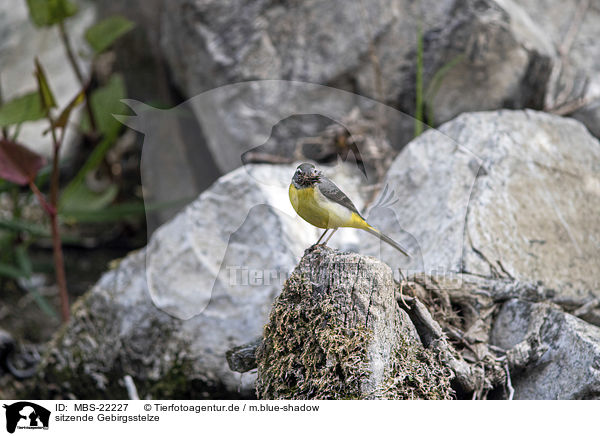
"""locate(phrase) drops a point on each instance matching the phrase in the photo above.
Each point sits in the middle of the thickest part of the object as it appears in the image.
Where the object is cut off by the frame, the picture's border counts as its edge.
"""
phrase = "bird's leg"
(326, 230)
(329, 237)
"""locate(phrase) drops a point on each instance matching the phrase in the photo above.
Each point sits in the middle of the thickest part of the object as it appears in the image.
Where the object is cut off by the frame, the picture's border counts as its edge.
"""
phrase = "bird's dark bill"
(308, 179)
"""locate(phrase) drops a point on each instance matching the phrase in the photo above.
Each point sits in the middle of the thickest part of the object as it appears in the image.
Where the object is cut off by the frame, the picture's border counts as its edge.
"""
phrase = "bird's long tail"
(400, 248)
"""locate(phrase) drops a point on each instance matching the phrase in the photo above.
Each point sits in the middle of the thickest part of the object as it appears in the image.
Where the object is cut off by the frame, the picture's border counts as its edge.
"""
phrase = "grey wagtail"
(320, 202)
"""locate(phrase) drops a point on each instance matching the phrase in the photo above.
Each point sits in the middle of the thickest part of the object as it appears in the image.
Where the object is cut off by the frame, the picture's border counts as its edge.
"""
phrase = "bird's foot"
(314, 247)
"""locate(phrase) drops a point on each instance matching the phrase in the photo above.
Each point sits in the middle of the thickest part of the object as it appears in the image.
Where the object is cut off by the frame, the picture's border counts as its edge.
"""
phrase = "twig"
(569, 107)
(69, 49)
(433, 337)
(497, 349)
(479, 391)
(509, 386)
(402, 296)
(64, 36)
(131, 389)
(574, 26)
(43, 202)
(59, 262)
(560, 105)
(587, 307)
(51, 209)
(458, 335)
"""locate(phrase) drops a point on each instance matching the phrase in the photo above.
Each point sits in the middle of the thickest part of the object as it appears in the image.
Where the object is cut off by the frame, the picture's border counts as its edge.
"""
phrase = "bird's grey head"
(306, 175)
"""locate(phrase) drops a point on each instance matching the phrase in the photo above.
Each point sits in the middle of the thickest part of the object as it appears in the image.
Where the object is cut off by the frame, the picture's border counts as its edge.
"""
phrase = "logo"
(26, 415)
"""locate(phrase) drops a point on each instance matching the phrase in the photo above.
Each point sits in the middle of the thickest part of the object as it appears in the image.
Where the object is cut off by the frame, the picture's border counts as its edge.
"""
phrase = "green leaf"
(16, 225)
(81, 198)
(39, 299)
(46, 95)
(90, 164)
(114, 213)
(63, 118)
(436, 83)
(11, 271)
(23, 260)
(103, 34)
(119, 212)
(41, 302)
(44, 267)
(105, 102)
(27, 107)
(49, 12)
(43, 176)
(34, 230)
(7, 240)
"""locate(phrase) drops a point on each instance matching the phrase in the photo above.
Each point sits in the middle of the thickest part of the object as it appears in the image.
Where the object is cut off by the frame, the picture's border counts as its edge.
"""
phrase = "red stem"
(59, 262)
(50, 210)
(59, 265)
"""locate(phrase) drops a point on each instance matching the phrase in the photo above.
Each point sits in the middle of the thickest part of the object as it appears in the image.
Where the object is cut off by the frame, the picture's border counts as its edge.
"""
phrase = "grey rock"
(572, 27)
(505, 60)
(20, 43)
(568, 364)
(509, 194)
(243, 358)
(214, 43)
(167, 314)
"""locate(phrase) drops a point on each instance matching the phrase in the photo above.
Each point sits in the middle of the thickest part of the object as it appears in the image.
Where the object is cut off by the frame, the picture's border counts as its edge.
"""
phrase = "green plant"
(436, 83)
(419, 103)
(424, 112)
(19, 166)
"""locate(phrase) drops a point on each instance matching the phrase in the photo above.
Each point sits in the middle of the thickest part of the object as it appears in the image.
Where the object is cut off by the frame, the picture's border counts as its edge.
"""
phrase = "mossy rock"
(336, 332)
(115, 330)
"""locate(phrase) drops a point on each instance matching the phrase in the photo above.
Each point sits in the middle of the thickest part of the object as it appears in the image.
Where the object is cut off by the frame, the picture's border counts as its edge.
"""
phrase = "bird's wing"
(335, 194)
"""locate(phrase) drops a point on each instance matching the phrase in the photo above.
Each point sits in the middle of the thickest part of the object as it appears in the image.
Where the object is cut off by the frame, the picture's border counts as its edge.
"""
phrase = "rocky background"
(498, 200)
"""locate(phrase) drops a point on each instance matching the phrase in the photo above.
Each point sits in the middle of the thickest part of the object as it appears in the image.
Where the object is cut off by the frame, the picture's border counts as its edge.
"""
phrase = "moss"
(177, 383)
(307, 352)
(417, 374)
(76, 366)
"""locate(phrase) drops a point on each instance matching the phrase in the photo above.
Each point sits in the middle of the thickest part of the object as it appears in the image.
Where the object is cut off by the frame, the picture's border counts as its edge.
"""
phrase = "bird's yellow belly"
(313, 207)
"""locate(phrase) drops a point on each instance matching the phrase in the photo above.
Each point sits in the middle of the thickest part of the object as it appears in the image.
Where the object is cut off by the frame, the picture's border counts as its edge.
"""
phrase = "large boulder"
(510, 194)
(21, 42)
(500, 59)
(562, 352)
(167, 314)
